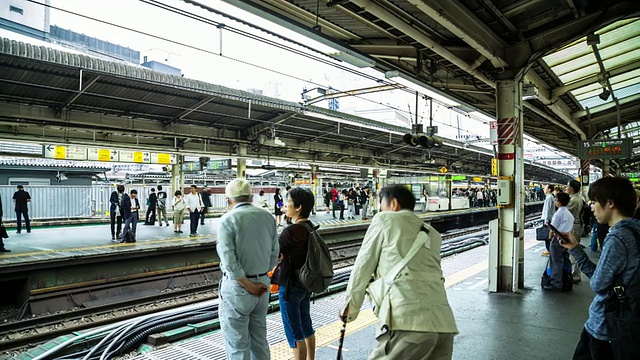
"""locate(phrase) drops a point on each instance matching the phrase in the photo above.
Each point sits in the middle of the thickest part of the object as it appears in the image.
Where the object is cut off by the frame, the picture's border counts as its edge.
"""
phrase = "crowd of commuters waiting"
(249, 246)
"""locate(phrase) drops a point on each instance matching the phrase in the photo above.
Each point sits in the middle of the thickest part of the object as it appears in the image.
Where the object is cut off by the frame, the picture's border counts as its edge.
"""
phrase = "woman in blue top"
(614, 204)
(294, 298)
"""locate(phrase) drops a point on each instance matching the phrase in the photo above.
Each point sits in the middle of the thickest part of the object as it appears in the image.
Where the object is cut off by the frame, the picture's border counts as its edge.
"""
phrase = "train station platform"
(529, 324)
(50, 243)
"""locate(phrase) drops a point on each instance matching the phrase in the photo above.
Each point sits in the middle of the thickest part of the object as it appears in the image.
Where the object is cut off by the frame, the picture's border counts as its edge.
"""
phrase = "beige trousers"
(413, 345)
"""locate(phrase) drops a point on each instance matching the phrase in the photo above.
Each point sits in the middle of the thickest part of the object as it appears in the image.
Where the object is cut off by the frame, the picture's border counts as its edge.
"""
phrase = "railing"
(63, 202)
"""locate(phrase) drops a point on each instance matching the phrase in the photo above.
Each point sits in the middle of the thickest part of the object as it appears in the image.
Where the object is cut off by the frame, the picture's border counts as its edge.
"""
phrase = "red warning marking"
(506, 156)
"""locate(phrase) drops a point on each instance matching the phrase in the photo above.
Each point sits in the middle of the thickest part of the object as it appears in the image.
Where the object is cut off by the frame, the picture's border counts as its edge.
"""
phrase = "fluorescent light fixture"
(354, 59)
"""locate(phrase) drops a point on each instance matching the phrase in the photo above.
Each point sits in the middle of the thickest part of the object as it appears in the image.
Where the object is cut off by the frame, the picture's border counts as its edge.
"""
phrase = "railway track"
(36, 329)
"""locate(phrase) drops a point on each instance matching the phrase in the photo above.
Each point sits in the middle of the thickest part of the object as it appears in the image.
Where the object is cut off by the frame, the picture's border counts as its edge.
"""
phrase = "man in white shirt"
(418, 318)
(194, 205)
(563, 221)
(548, 209)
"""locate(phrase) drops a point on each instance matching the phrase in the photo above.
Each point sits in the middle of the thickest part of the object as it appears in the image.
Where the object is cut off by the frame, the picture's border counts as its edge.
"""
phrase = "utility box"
(505, 192)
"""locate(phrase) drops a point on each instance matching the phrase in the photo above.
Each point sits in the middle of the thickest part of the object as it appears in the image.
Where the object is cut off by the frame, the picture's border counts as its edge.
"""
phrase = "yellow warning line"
(329, 333)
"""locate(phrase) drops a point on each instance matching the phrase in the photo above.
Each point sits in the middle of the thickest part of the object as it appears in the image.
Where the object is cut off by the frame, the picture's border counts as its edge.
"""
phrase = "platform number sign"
(605, 149)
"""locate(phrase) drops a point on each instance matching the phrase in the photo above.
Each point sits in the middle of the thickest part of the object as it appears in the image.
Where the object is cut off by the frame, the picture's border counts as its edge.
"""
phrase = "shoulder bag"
(378, 290)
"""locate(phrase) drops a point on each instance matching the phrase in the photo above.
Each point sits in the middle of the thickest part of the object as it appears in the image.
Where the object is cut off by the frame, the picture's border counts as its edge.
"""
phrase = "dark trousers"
(334, 205)
(202, 216)
(547, 244)
(558, 259)
(27, 222)
(116, 218)
(194, 216)
(130, 224)
(590, 348)
(150, 219)
(342, 212)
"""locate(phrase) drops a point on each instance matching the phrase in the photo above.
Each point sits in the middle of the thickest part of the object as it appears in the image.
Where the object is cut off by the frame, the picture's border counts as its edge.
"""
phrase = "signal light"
(410, 139)
(422, 140)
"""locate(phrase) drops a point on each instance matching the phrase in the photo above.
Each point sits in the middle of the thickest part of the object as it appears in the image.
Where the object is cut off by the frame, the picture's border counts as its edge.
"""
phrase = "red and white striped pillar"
(510, 270)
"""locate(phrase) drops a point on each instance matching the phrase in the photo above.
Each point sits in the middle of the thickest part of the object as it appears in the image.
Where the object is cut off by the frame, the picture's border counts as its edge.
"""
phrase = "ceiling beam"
(559, 108)
(456, 18)
(259, 128)
(82, 89)
(191, 109)
(408, 29)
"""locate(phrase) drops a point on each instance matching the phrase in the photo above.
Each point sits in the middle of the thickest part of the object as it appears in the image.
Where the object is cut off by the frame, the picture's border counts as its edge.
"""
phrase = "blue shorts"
(295, 314)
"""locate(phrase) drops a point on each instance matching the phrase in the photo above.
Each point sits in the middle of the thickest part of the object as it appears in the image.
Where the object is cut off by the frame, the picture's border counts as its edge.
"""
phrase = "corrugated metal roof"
(52, 163)
(41, 53)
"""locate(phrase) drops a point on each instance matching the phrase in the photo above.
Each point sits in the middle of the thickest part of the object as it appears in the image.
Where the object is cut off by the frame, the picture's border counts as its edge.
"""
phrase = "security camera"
(60, 177)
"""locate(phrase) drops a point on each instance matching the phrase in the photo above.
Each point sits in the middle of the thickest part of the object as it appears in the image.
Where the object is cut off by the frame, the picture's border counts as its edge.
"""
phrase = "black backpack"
(317, 272)
(586, 217)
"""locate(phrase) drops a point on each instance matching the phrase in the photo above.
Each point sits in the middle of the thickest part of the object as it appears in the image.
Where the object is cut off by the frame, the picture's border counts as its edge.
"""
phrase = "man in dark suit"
(2, 249)
(150, 218)
(130, 206)
(21, 198)
(115, 211)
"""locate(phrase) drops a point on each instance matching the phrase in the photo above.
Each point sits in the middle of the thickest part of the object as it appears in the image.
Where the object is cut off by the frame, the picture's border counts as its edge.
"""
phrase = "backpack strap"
(618, 287)
(417, 244)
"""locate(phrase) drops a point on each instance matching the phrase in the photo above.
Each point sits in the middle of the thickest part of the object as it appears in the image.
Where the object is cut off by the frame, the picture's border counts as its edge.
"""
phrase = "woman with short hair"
(293, 296)
(178, 211)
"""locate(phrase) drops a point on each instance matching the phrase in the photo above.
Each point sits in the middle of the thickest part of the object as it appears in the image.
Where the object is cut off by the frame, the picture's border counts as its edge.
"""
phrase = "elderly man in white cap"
(248, 248)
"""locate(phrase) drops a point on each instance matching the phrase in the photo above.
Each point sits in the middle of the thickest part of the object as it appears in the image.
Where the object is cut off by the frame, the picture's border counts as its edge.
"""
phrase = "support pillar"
(177, 175)
(606, 167)
(241, 166)
(314, 188)
(510, 269)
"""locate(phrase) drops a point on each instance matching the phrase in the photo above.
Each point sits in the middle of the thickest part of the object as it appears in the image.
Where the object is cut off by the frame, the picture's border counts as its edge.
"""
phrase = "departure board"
(605, 149)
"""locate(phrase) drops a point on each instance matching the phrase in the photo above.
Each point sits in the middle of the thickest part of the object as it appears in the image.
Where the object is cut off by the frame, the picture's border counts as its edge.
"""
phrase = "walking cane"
(342, 332)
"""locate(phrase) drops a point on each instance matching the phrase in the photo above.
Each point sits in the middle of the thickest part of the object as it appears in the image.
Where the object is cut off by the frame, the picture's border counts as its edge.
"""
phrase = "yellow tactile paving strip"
(330, 333)
(327, 334)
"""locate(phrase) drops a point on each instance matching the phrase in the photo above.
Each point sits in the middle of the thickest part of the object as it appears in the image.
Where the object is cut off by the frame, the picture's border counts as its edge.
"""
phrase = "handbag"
(378, 290)
(542, 233)
(274, 275)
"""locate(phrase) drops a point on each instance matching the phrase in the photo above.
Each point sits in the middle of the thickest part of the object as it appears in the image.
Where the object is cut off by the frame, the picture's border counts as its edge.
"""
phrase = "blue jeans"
(295, 313)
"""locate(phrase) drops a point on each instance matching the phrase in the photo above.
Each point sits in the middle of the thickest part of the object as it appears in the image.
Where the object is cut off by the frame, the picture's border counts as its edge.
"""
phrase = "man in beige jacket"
(420, 323)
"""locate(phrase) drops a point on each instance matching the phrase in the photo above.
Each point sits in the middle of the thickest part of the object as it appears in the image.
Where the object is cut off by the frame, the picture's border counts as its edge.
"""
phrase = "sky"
(196, 47)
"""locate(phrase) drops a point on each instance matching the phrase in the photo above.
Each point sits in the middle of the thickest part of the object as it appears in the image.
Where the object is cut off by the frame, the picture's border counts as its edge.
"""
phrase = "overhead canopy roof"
(461, 47)
(52, 96)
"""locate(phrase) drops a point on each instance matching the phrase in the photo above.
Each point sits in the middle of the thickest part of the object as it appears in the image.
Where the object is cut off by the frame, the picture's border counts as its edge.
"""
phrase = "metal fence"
(63, 202)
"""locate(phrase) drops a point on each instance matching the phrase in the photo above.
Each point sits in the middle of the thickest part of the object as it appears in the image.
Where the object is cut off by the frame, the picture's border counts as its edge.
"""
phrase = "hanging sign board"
(605, 149)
